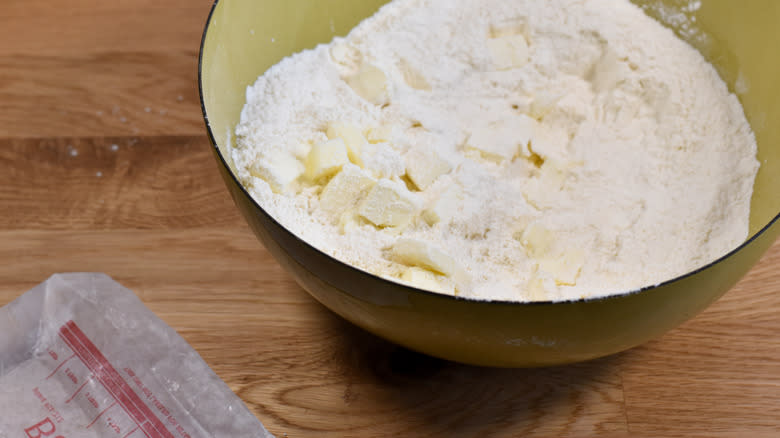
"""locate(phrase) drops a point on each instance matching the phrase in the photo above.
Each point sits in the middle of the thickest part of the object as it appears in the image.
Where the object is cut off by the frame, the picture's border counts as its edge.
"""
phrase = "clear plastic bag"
(80, 355)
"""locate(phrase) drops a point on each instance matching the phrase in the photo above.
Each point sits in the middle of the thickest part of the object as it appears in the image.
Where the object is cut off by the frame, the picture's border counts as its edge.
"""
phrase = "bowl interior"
(246, 37)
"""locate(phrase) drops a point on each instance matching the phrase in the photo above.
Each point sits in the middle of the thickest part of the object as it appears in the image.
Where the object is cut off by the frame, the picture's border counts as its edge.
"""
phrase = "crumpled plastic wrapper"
(81, 356)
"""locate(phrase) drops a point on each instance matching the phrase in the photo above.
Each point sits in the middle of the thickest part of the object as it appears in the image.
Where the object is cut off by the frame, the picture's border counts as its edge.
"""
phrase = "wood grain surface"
(105, 166)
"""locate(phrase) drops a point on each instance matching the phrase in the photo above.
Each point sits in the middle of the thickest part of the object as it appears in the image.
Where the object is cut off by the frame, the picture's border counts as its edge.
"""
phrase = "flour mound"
(508, 150)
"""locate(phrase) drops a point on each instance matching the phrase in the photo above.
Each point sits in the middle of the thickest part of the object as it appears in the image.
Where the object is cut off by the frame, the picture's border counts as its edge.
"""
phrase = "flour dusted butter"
(517, 150)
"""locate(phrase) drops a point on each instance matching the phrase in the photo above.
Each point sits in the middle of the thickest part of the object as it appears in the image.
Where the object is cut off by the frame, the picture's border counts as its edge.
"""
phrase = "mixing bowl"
(243, 38)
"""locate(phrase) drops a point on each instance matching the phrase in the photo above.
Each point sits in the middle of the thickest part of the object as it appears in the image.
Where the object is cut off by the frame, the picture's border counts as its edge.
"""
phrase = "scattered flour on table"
(514, 150)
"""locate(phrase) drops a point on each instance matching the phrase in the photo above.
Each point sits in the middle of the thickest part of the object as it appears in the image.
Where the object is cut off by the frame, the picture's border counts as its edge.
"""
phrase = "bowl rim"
(596, 299)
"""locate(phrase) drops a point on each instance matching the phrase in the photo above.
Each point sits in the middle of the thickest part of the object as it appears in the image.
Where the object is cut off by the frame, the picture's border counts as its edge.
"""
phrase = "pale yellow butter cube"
(412, 252)
(535, 290)
(348, 221)
(380, 134)
(424, 169)
(426, 280)
(553, 176)
(540, 192)
(445, 207)
(537, 240)
(278, 168)
(339, 53)
(325, 159)
(370, 83)
(543, 104)
(413, 77)
(503, 139)
(353, 139)
(345, 189)
(566, 267)
(509, 27)
(607, 72)
(389, 204)
(510, 51)
(518, 228)
(344, 54)
(301, 150)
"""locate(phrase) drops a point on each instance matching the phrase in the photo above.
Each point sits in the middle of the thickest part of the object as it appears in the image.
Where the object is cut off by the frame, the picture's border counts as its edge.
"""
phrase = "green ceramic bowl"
(243, 38)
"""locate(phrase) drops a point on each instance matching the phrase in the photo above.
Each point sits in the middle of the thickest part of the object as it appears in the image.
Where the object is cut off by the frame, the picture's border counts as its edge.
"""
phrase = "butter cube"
(278, 168)
(382, 161)
(510, 51)
(370, 83)
(553, 176)
(301, 150)
(540, 192)
(543, 104)
(535, 290)
(566, 267)
(552, 143)
(339, 53)
(445, 207)
(389, 204)
(345, 189)
(520, 225)
(380, 134)
(412, 252)
(413, 77)
(353, 139)
(503, 139)
(426, 280)
(537, 240)
(509, 27)
(325, 159)
(344, 54)
(424, 169)
(607, 72)
(348, 221)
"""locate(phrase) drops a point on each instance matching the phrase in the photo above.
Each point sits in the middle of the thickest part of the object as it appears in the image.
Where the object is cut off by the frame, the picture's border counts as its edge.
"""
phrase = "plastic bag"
(81, 356)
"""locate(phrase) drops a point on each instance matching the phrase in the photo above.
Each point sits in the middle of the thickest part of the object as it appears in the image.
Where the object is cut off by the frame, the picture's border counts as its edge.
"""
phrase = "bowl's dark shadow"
(442, 398)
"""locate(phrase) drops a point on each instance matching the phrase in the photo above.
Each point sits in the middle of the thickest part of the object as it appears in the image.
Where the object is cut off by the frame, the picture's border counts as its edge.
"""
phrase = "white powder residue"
(515, 150)
(681, 17)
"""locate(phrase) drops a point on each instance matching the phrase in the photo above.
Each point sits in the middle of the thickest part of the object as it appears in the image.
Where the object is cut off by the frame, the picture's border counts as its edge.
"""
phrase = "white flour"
(586, 150)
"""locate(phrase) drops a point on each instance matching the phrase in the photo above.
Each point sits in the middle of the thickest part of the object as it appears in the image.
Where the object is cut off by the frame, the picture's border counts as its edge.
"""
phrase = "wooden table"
(105, 166)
